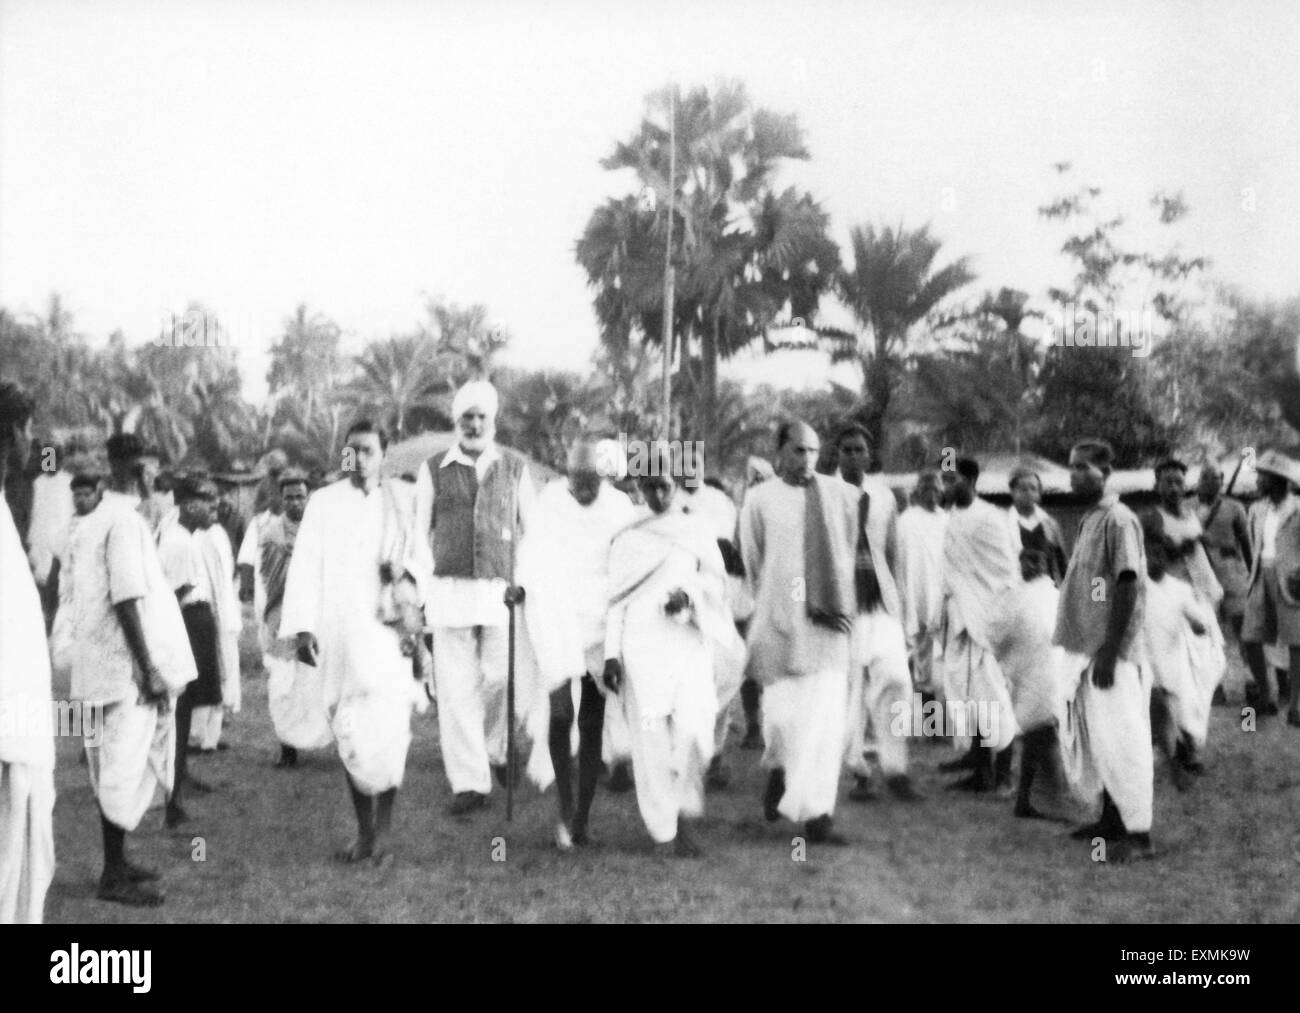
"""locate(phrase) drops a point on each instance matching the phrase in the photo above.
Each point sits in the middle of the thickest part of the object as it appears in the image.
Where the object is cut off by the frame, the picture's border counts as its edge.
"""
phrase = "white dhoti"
(879, 687)
(1106, 740)
(804, 726)
(26, 841)
(134, 755)
(923, 649)
(374, 734)
(205, 726)
(469, 667)
(295, 696)
(670, 753)
(971, 675)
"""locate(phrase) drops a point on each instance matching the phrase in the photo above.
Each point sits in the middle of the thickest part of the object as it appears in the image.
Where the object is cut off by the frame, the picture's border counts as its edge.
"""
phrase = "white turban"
(475, 394)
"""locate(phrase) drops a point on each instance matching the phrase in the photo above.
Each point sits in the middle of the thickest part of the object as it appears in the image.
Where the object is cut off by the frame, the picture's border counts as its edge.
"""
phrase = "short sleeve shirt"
(1109, 543)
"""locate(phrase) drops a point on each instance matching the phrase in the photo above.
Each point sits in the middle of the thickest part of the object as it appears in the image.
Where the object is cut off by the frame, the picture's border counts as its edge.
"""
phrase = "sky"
(359, 156)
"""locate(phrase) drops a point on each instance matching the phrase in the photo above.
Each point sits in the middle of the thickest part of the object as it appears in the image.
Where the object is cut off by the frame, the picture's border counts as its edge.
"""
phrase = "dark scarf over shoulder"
(828, 556)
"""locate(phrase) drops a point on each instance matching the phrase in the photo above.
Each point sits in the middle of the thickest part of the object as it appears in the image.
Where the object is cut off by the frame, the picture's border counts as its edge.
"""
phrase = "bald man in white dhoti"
(131, 657)
(980, 566)
(797, 539)
(353, 599)
(26, 744)
(920, 533)
(564, 571)
(472, 503)
(668, 620)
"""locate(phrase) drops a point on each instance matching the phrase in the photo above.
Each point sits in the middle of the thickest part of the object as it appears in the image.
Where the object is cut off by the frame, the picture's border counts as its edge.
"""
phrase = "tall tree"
(892, 286)
(744, 255)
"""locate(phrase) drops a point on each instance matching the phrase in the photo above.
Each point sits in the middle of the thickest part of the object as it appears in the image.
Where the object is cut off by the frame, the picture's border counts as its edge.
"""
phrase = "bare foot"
(358, 851)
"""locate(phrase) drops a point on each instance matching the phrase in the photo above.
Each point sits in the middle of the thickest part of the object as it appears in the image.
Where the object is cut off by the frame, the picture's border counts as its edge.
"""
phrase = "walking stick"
(511, 602)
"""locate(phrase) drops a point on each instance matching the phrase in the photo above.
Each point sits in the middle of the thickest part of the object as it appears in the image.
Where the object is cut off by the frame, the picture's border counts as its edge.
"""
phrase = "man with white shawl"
(667, 619)
(563, 569)
(26, 743)
(797, 539)
(295, 695)
(472, 502)
(130, 660)
(980, 565)
(880, 686)
(1107, 733)
(353, 599)
(920, 533)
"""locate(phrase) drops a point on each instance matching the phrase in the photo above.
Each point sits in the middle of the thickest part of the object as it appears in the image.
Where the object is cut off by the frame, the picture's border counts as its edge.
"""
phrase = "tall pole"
(667, 392)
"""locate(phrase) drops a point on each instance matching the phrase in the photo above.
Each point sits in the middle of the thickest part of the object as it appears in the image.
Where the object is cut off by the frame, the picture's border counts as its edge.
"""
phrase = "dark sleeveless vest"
(475, 527)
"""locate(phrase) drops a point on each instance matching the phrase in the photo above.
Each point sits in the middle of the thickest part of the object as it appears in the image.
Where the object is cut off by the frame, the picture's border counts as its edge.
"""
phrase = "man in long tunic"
(564, 571)
(920, 530)
(667, 617)
(26, 753)
(980, 566)
(472, 505)
(1107, 735)
(131, 657)
(295, 695)
(352, 599)
(797, 539)
(219, 565)
(1273, 594)
(181, 556)
(879, 682)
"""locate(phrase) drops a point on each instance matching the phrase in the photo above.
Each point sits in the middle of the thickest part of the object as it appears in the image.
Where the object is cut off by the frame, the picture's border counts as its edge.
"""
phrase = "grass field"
(1229, 849)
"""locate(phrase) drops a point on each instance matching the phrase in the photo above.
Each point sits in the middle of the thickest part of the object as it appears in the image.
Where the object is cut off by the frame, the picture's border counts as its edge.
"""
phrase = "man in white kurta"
(26, 741)
(219, 564)
(356, 541)
(667, 611)
(980, 566)
(880, 685)
(472, 503)
(564, 571)
(48, 530)
(295, 695)
(131, 658)
(1107, 734)
(801, 662)
(920, 532)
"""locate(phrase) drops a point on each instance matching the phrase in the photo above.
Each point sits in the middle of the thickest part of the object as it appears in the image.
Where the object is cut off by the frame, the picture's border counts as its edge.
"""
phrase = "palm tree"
(742, 253)
(397, 377)
(306, 361)
(893, 285)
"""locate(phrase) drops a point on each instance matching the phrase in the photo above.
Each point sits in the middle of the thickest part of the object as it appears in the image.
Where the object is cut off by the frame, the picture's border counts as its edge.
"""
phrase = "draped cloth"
(980, 569)
(131, 760)
(673, 664)
(294, 691)
(921, 535)
(828, 556)
(1106, 738)
(563, 567)
(1185, 667)
(1021, 634)
(26, 759)
(333, 591)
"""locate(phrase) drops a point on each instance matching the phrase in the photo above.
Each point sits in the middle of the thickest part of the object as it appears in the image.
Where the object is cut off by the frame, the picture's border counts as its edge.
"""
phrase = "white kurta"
(332, 591)
(804, 666)
(26, 747)
(1021, 634)
(920, 535)
(219, 566)
(52, 512)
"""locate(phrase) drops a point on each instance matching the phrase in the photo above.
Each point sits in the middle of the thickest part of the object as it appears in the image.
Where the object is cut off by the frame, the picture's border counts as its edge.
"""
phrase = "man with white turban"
(471, 504)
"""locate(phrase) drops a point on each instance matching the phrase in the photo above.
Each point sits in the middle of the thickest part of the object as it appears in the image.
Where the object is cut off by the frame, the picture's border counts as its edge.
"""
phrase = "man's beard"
(477, 443)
